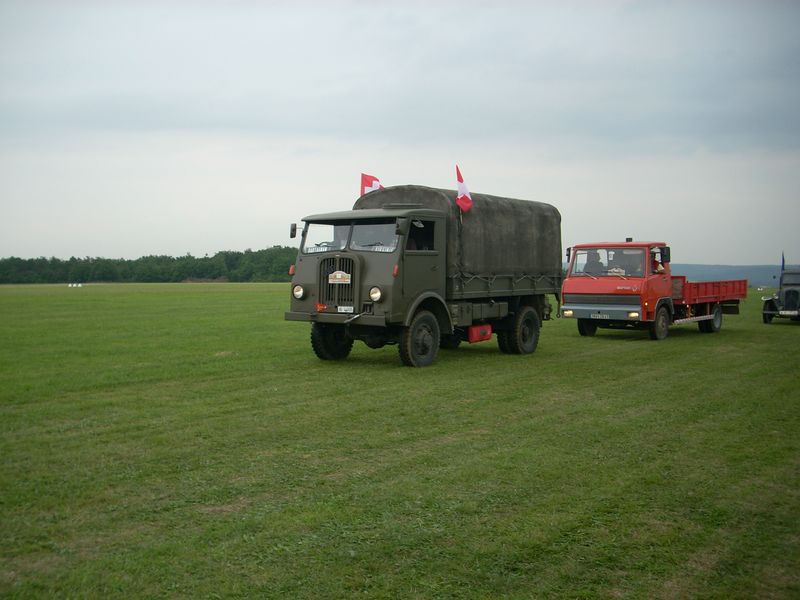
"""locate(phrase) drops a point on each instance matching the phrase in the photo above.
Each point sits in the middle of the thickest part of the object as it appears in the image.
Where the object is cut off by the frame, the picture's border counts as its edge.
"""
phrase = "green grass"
(184, 441)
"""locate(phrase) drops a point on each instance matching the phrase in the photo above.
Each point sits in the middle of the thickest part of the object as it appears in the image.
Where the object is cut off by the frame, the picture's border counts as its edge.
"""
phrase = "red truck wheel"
(586, 327)
(712, 325)
(659, 328)
(715, 324)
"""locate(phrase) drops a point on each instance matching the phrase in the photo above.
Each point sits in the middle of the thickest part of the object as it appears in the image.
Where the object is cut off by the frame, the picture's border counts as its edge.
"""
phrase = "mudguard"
(440, 311)
(770, 306)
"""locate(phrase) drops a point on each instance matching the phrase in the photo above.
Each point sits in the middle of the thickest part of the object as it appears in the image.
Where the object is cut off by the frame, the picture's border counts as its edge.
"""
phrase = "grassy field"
(184, 441)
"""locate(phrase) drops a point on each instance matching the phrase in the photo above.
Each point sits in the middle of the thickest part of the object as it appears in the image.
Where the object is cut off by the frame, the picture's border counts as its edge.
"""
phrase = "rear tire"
(503, 343)
(659, 328)
(524, 338)
(712, 325)
(330, 342)
(586, 328)
(419, 342)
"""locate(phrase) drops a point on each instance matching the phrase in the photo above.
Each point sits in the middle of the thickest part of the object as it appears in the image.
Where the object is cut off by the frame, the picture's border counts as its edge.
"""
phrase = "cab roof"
(636, 244)
(390, 212)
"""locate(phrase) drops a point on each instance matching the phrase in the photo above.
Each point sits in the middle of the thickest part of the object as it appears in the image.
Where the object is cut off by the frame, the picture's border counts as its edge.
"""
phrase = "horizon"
(213, 254)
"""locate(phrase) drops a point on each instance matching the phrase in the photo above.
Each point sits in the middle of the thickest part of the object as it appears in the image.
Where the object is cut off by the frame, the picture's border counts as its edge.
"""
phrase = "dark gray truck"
(785, 304)
(405, 267)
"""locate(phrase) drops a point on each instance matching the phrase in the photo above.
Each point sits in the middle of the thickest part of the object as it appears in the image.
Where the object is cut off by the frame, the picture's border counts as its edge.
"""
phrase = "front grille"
(613, 299)
(791, 300)
(336, 293)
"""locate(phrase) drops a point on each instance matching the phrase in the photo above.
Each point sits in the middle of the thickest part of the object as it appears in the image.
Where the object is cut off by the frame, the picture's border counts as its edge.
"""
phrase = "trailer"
(616, 285)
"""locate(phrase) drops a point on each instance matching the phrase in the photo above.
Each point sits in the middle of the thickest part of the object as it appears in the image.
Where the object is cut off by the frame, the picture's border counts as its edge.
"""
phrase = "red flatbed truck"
(629, 285)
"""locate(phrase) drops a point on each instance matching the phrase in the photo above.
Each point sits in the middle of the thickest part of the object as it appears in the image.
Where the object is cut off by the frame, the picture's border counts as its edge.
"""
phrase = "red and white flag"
(463, 199)
(369, 183)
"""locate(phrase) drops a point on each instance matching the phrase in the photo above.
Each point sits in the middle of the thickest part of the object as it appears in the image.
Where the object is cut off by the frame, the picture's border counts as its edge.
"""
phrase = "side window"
(420, 235)
(580, 262)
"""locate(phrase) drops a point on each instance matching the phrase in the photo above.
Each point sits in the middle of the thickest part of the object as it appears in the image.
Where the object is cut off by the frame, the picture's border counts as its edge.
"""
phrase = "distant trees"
(270, 264)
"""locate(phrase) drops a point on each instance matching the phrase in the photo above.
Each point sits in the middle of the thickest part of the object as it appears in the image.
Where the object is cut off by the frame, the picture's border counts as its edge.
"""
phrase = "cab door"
(424, 268)
(659, 280)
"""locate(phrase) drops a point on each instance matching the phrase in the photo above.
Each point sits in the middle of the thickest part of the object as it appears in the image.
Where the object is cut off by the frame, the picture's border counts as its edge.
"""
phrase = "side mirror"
(293, 230)
(402, 226)
(569, 254)
(665, 252)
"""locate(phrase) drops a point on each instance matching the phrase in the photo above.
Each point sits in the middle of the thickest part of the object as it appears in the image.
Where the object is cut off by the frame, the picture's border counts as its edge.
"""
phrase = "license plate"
(345, 309)
(600, 316)
(788, 313)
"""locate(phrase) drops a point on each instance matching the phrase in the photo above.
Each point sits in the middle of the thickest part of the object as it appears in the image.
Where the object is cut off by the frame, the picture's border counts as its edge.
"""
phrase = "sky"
(173, 127)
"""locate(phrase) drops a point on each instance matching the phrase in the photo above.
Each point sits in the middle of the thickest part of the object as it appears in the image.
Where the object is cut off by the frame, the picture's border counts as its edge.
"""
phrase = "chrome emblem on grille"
(339, 277)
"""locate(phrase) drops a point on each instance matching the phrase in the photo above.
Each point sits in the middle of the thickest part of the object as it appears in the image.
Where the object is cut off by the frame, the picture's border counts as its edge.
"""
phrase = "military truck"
(785, 303)
(405, 267)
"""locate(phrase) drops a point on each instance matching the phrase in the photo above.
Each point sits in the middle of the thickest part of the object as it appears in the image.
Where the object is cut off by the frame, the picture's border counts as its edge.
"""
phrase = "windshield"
(324, 237)
(365, 236)
(374, 236)
(608, 262)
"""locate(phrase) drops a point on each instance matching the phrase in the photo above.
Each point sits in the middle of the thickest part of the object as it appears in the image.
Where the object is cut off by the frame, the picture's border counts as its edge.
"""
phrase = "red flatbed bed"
(695, 292)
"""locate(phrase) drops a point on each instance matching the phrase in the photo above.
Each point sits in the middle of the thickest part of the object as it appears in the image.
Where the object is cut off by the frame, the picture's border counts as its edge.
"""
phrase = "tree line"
(270, 264)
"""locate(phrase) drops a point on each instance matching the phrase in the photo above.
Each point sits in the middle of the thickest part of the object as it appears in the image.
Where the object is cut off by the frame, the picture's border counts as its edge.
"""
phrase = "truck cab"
(362, 274)
(630, 284)
(621, 284)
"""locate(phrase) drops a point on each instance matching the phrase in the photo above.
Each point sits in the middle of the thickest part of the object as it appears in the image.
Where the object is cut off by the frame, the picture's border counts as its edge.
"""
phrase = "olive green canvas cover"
(499, 236)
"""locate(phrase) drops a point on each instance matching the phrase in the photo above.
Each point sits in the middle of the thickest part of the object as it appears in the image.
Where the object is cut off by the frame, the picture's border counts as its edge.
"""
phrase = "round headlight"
(298, 291)
(375, 294)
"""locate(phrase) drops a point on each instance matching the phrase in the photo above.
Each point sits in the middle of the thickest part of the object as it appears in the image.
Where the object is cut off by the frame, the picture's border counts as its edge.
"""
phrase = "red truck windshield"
(608, 262)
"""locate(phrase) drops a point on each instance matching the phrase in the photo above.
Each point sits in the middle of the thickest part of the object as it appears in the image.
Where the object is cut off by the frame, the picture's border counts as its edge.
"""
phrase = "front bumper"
(789, 314)
(337, 319)
(603, 312)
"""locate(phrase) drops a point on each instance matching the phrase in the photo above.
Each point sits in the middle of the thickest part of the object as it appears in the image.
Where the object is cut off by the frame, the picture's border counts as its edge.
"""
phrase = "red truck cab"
(630, 284)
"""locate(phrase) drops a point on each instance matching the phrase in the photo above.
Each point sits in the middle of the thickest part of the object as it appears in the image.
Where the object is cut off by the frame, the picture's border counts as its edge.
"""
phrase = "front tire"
(524, 337)
(659, 328)
(330, 342)
(768, 316)
(586, 328)
(419, 342)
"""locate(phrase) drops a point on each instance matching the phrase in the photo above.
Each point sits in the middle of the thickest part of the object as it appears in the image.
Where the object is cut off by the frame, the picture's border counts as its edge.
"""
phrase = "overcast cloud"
(132, 128)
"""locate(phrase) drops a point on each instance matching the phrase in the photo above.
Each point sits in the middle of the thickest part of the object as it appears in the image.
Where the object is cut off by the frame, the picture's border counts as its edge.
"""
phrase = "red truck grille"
(620, 299)
(337, 294)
